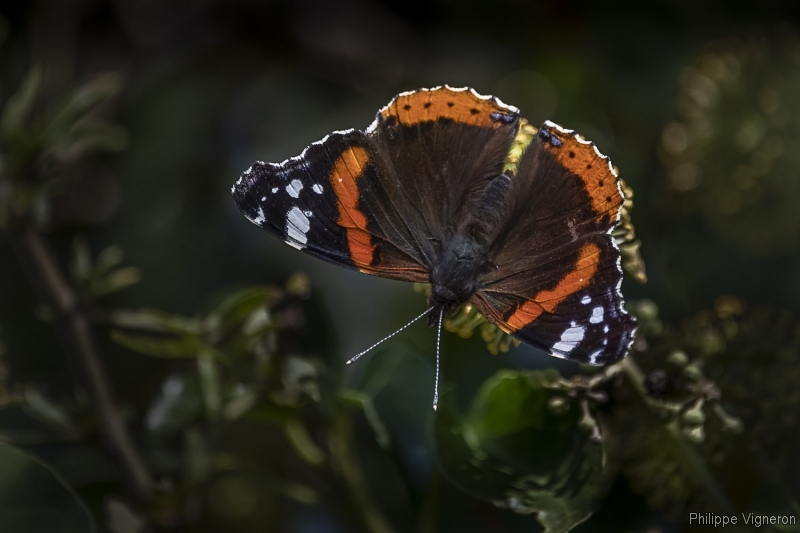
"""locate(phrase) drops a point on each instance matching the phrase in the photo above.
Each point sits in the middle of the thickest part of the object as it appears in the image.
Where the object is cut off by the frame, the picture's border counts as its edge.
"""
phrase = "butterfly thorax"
(455, 277)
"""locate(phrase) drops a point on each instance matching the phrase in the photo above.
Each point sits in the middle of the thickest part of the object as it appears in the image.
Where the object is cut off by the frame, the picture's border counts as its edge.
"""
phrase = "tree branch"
(76, 337)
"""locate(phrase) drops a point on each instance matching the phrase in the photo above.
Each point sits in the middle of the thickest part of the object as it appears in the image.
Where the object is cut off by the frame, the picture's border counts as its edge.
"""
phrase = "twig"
(75, 335)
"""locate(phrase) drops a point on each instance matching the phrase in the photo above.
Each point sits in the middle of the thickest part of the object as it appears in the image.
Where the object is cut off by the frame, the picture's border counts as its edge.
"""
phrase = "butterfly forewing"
(442, 145)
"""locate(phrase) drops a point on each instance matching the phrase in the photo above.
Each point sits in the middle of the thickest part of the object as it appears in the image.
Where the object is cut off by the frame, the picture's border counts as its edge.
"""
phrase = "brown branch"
(76, 337)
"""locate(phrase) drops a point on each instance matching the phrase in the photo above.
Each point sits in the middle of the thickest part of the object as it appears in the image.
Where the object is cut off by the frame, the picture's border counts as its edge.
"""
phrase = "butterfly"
(421, 195)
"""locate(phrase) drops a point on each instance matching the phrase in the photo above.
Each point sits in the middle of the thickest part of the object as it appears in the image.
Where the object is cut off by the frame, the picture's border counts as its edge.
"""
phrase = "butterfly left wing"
(556, 285)
(328, 203)
(382, 200)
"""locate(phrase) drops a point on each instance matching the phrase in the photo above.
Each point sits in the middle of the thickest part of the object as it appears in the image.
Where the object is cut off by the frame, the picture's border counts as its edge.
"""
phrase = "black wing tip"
(243, 187)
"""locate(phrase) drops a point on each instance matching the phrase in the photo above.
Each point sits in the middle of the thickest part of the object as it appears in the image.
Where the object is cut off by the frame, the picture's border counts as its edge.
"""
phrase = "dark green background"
(211, 86)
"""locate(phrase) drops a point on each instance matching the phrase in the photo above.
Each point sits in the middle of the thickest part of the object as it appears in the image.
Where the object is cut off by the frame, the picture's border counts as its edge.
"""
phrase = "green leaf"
(34, 498)
(21, 103)
(303, 444)
(241, 398)
(510, 402)
(187, 346)
(299, 378)
(154, 320)
(96, 136)
(52, 414)
(373, 418)
(109, 258)
(513, 451)
(102, 277)
(209, 383)
(237, 308)
(393, 409)
(83, 99)
(176, 407)
(119, 279)
(81, 267)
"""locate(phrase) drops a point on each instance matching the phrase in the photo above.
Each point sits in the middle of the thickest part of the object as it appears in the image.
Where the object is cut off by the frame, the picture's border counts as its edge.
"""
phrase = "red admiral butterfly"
(421, 195)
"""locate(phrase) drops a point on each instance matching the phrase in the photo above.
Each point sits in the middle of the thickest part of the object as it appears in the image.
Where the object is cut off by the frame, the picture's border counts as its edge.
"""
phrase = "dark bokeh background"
(211, 86)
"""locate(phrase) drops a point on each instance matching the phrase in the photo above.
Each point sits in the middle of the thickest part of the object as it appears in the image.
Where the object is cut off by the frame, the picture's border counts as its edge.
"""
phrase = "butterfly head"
(455, 278)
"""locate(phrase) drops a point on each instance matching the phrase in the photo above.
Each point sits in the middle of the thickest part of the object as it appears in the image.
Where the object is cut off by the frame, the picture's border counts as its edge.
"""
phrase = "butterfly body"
(456, 274)
(422, 195)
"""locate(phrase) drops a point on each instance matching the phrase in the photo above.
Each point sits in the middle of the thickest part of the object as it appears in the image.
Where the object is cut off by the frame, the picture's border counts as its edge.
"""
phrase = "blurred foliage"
(518, 447)
(38, 140)
(95, 279)
(230, 382)
(732, 153)
(704, 375)
(34, 498)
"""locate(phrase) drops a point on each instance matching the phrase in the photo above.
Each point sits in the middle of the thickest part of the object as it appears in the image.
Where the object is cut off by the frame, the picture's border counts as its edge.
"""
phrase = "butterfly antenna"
(438, 342)
(356, 356)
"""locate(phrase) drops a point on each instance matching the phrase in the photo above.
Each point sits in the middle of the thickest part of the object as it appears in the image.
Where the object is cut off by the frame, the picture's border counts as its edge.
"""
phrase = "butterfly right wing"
(556, 285)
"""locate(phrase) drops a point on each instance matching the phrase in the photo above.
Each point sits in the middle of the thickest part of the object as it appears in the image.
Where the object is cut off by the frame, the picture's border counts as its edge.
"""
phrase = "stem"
(76, 337)
(344, 458)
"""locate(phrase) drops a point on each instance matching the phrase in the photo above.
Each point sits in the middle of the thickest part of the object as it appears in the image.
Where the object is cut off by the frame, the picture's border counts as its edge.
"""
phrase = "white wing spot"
(297, 226)
(585, 300)
(309, 214)
(294, 188)
(274, 190)
(593, 357)
(263, 198)
(317, 188)
(605, 328)
(570, 339)
(260, 219)
(597, 315)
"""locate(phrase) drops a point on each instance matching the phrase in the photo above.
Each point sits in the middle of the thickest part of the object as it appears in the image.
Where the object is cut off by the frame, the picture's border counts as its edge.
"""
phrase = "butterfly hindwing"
(556, 285)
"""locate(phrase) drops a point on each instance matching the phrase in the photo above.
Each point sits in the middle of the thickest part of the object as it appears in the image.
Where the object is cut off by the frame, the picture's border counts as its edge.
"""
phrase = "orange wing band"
(444, 103)
(348, 168)
(577, 279)
(583, 160)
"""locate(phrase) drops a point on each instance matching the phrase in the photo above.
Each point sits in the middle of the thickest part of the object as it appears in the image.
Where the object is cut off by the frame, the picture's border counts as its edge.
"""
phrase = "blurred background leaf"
(34, 498)
(520, 446)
